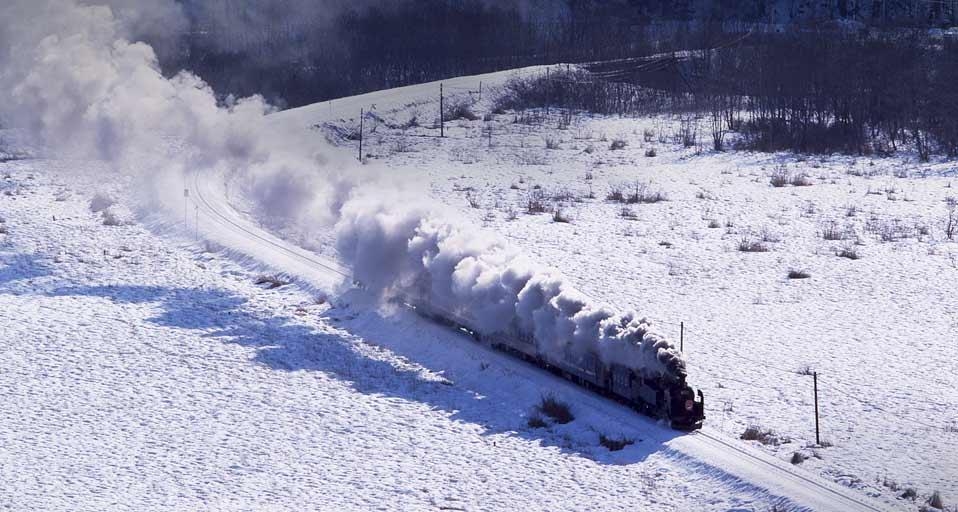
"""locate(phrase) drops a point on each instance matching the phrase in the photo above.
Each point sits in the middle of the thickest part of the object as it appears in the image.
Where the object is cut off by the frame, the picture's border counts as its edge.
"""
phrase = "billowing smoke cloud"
(412, 253)
(74, 76)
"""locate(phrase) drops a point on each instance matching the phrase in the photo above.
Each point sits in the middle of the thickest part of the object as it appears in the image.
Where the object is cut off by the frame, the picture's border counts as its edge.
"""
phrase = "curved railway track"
(706, 447)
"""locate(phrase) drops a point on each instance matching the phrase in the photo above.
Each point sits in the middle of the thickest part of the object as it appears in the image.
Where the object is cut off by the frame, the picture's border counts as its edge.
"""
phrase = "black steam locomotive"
(661, 396)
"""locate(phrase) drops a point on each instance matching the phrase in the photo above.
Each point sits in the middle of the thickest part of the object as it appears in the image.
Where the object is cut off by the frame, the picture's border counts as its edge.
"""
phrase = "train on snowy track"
(664, 396)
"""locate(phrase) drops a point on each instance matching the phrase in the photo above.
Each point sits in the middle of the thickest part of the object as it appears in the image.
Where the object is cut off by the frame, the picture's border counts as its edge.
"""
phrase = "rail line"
(221, 217)
(806, 479)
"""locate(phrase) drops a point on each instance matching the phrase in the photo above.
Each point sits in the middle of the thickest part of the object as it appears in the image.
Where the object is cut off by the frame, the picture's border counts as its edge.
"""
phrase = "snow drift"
(74, 76)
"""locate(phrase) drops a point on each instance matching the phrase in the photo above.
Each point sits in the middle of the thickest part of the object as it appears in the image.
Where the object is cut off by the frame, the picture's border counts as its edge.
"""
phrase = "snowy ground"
(879, 330)
(141, 372)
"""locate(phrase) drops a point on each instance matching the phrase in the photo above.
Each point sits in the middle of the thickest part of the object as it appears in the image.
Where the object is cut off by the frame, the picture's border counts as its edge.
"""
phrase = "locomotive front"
(685, 412)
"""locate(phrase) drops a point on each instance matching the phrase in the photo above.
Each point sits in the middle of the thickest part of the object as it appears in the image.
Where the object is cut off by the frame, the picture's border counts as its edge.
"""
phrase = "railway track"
(707, 447)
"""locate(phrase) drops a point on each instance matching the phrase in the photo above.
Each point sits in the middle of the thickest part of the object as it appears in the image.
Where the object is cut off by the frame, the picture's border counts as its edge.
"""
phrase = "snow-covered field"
(143, 369)
(140, 371)
(880, 330)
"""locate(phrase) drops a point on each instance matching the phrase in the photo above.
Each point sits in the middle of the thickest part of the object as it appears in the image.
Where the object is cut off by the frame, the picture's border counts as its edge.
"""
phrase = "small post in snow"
(362, 114)
(186, 208)
(196, 233)
(442, 113)
(480, 90)
(681, 336)
(818, 438)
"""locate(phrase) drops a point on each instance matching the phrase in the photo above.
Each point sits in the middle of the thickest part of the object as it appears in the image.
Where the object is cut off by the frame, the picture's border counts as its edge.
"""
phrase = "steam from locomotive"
(409, 252)
(76, 81)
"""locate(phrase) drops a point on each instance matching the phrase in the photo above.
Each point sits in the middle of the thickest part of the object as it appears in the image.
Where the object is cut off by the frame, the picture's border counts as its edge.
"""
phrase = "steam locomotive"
(660, 396)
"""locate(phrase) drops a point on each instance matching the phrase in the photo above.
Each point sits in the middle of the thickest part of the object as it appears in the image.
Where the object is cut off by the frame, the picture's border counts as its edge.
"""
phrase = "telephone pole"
(442, 113)
(362, 115)
(681, 336)
(818, 438)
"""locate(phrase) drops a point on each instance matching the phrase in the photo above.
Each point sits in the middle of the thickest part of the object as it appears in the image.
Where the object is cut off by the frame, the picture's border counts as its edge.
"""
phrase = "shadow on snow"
(481, 388)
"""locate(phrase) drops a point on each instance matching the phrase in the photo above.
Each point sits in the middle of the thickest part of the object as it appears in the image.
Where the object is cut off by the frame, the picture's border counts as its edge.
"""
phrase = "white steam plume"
(412, 252)
(74, 76)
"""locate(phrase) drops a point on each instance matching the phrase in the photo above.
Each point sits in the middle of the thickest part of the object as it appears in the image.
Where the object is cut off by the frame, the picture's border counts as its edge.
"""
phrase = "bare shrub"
(770, 236)
(714, 224)
(910, 493)
(746, 244)
(848, 252)
(559, 216)
(651, 153)
(618, 144)
(627, 213)
(642, 193)
(832, 231)
(798, 274)
(554, 408)
(615, 194)
(718, 131)
(764, 436)
(552, 143)
(780, 177)
(459, 110)
(473, 200)
(536, 203)
(797, 458)
(512, 213)
(688, 132)
(613, 444)
(271, 281)
(800, 180)
(888, 231)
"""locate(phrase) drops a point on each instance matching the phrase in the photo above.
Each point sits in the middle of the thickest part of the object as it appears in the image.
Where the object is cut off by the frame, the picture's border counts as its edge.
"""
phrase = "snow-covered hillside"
(144, 371)
(879, 329)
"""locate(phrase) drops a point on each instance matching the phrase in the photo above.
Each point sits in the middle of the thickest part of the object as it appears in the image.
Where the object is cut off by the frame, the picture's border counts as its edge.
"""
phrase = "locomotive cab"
(686, 410)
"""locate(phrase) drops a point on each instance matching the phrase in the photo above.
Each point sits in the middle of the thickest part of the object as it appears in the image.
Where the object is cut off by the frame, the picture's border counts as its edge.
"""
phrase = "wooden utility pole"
(681, 336)
(442, 113)
(818, 437)
(480, 90)
(362, 115)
